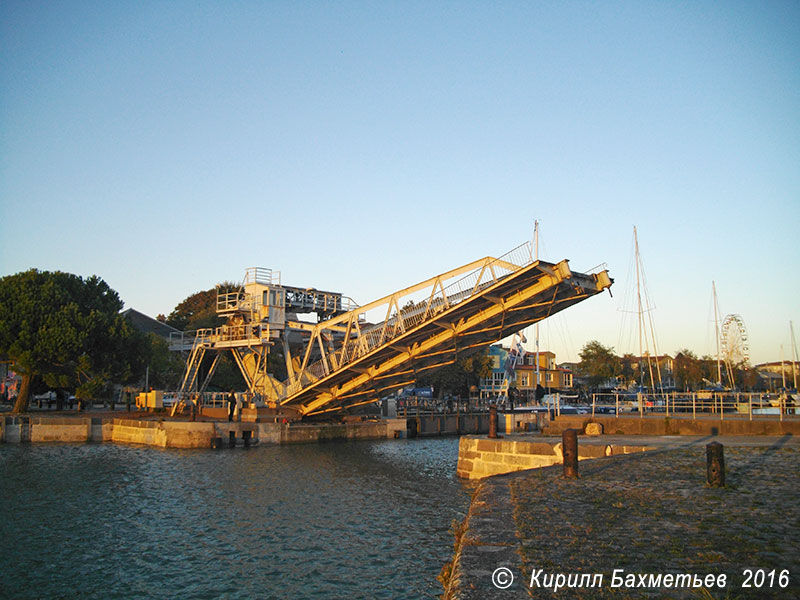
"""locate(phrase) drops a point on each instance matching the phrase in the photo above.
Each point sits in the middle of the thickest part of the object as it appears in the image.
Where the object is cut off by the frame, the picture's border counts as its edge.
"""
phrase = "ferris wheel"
(735, 345)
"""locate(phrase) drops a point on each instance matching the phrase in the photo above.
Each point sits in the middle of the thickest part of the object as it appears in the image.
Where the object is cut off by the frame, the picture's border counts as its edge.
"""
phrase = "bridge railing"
(261, 275)
(185, 340)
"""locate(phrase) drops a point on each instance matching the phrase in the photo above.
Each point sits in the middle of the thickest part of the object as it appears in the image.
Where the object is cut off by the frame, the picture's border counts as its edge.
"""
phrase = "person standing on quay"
(231, 405)
(237, 413)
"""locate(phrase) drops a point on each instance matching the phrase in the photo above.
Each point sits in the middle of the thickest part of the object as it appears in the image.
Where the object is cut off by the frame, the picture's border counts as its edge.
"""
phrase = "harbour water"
(338, 520)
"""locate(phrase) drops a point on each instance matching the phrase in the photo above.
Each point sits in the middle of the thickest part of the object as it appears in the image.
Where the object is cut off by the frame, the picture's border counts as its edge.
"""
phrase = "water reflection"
(346, 520)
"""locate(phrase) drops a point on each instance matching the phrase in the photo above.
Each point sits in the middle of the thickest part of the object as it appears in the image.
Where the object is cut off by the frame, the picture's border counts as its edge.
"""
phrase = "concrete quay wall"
(25, 428)
(480, 457)
(425, 425)
(634, 425)
(649, 512)
(187, 434)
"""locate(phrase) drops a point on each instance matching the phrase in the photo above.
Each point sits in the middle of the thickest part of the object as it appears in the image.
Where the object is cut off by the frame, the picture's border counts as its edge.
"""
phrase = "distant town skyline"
(362, 148)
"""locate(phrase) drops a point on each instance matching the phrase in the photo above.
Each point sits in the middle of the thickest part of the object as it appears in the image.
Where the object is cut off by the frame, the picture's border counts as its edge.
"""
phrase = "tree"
(709, 371)
(65, 331)
(688, 369)
(457, 378)
(196, 311)
(166, 367)
(749, 378)
(199, 310)
(626, 368)
(598, 363)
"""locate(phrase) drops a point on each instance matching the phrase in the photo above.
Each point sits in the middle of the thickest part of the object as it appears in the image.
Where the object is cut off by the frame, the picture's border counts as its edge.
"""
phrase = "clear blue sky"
(361, 147)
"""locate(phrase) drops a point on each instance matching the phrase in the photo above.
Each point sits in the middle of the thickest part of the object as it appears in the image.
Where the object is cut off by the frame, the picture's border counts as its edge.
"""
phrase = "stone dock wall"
(426, 425)
(651, 425)
(480, 457)
(187, 434)
(643, 513)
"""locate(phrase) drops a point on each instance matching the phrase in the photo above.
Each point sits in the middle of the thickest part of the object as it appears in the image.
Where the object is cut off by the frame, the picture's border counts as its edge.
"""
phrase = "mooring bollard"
(493, 422)
(232, 439)
(246, 438)
(715, 464)
(569, 448)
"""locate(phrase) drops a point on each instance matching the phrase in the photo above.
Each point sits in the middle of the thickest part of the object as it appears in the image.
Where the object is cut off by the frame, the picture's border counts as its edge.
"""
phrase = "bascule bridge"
(352, 355)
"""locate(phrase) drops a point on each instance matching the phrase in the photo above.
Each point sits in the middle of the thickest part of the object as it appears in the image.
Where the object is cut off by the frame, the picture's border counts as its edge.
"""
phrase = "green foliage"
(598, 362)
(708, 368)
(196, 311)
(166, 367)
(457, 377)
(626, 368)
(67, 331)
(227, 375)
(689, 371)
(199, 310)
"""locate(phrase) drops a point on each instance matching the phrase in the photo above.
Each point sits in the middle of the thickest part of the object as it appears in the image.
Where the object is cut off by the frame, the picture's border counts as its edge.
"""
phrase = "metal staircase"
(198, 351)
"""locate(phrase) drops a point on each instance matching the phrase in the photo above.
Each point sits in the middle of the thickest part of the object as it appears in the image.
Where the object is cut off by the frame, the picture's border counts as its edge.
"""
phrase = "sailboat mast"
(642, 324)
(536, 326)
(716, 327)
(639, 302)
(794, 355)
(783, 370)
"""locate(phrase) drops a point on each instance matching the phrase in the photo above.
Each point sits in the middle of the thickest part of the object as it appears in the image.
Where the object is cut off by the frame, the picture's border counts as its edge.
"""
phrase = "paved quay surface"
(645, 513)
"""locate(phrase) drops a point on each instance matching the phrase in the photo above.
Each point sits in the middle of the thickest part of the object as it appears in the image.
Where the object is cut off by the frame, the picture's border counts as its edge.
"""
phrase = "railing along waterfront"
(211, 399)
(722, 405)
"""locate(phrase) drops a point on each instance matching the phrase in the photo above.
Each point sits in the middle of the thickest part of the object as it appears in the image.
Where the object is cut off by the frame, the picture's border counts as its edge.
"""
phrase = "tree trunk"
(21, 403)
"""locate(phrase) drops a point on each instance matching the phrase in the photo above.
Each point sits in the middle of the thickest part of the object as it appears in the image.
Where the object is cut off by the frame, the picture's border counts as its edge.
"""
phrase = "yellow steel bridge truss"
(355, 357)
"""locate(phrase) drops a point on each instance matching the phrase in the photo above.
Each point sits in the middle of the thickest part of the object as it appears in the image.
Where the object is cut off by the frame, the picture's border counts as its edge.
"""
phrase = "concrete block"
(488, 445)
(188, 434)
(395, 428)
(493, 457)
(558, 452)
(538, 448)
(594, 429)
(465, 465)
(525, 460)
(590, 451)
(468, 443)
(13, 433)
(269, 433)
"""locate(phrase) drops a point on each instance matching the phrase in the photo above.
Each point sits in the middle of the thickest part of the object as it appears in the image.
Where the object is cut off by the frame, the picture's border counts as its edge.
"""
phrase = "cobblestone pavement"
(648, 513)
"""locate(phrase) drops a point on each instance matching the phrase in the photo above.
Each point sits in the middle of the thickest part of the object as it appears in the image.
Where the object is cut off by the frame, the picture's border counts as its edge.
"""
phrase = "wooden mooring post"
(493, 422)
(715, 464)
(569, 448)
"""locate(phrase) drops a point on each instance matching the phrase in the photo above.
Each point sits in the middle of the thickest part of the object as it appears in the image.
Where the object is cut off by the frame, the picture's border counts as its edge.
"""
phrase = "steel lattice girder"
(519, 299)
